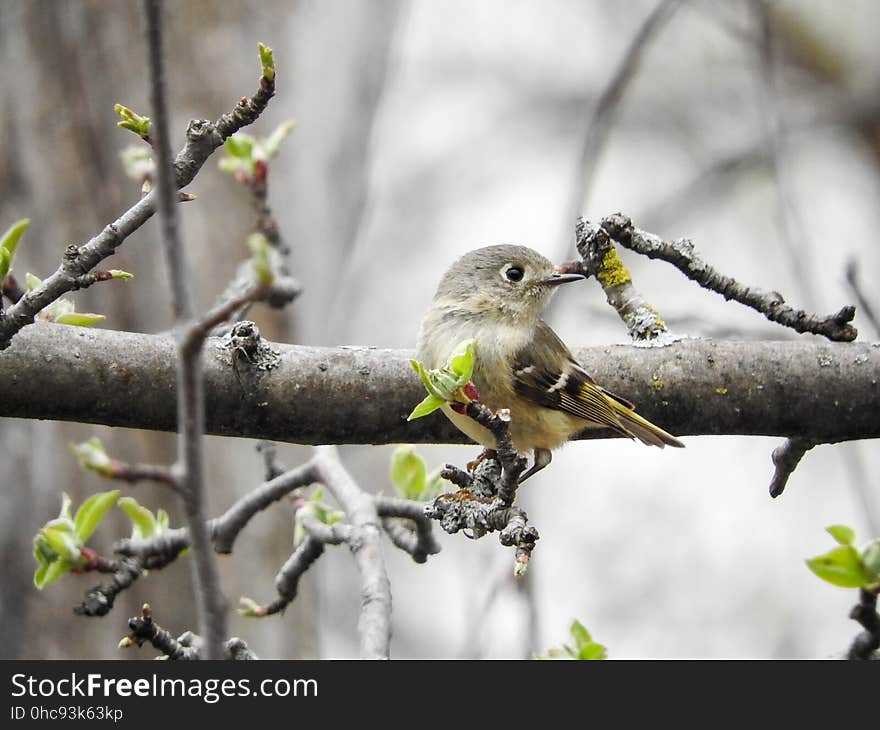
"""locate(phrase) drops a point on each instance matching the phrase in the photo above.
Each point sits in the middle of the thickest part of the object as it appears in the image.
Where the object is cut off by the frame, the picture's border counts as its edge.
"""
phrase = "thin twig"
(786, 459)
(374, 624)
(144, 629)
(683, 255)
(599, 258)
(209, 599)
(865, 613)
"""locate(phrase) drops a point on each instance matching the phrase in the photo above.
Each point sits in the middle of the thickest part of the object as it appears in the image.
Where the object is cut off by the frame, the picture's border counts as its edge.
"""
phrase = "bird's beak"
(562, 275)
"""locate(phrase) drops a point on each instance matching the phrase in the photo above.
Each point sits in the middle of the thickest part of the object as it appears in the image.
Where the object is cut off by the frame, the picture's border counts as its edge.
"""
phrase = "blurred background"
(425, 130)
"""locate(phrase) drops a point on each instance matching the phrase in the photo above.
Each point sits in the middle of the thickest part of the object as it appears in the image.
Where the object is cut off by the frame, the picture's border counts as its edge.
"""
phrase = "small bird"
(495, 296)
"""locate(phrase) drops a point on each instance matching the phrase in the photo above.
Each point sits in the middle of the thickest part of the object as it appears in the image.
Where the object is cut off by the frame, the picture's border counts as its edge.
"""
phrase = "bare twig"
(374, 623)
(134, 473)
(407, 526)
(272, 467)
(599, 258)
(287, 580)
(686, 258)
(786, 459)
(99, 600)
(866, 643)
(224, 529)
(209, 599)
(144, 629)
(484, 502)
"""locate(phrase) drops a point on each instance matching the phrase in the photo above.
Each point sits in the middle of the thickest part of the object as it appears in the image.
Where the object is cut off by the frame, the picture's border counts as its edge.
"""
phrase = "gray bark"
(822, 390)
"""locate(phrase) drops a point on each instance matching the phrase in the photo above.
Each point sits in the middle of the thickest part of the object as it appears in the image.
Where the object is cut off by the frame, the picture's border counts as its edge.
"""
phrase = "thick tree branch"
(816, 389)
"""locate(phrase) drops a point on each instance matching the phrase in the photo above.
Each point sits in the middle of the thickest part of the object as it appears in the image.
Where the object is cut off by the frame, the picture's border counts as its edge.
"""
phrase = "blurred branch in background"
(600, 122)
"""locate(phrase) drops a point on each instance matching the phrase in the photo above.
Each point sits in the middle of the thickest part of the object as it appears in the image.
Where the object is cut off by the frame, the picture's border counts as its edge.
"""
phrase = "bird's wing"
(540, 377)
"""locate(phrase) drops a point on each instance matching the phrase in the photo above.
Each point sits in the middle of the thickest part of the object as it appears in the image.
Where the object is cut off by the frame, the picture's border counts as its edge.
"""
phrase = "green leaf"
(240, 145)
(249, 608)
(843, 534)
(92, 456)
(92, 511)
(408, 472)
(580, 635)
(841, 567)
(261, 253)
(463, 359)
(79, 319)
(584, 646)
(132, 121)
(51, 572)
(430, 404)
(120, 274)
(58, 539)
(422, 372)
(143, 522)
(593, 651)
(32, 281)
(9, 242)
(267, 61)
(162, 519)
(871, 563)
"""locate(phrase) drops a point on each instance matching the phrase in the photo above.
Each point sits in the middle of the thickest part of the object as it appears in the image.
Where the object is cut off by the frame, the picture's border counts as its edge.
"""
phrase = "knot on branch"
(245, 342)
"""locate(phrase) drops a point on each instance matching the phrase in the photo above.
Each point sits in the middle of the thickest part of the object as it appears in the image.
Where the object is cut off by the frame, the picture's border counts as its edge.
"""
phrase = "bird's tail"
(642, 428)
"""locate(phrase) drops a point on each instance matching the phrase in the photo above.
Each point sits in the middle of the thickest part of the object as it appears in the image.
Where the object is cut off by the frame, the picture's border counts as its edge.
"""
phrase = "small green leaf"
(430, 404)
(32, 281)
(408, 472)
(92, 456)
(593, 651)
(584, 646)
(143, 522)
(132, 121)
(92, 511)
(120, 274)
(580, 635)
(841, 567)
(249, 608)
(463, 359)
(240, 145)
(59, 539)
(871, 563)
(261, 258)
(843, 534)
(51, 572)
(267, 62)
(162, 520)
(9, 242)
(79, 319)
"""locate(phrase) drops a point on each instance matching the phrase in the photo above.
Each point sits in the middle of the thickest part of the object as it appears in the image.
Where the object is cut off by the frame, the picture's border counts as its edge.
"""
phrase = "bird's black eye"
(514, 273)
